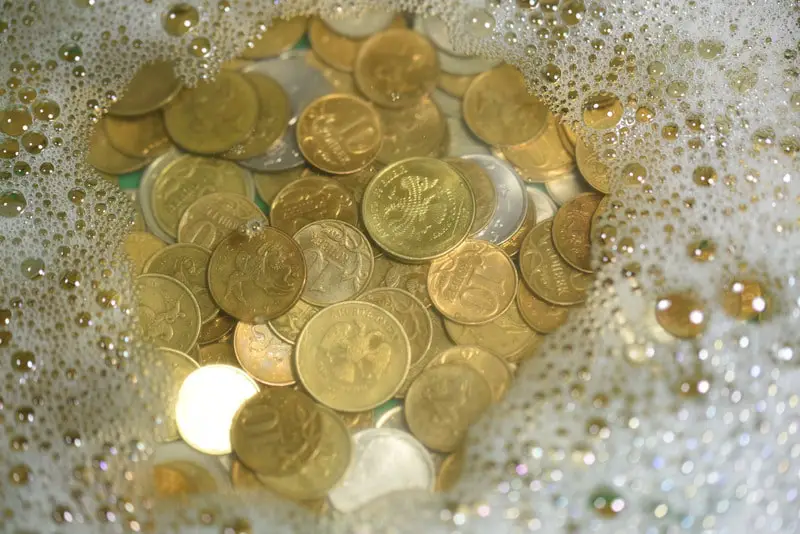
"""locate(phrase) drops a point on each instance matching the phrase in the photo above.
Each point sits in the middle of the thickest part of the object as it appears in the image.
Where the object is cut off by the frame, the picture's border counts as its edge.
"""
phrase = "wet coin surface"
(137, 137)
(543, 158)
(282, 35)
(483, 190)
(153, 86)
(140, 247)
(572, 230)
(508, 336)
(168, 313)
(491, 367)
(408, 277)
(263, 355)
(410, 132)
(212, 218)
(289, 325)
(105, 158)
(593, 170)
(540, 315)
(309, 199)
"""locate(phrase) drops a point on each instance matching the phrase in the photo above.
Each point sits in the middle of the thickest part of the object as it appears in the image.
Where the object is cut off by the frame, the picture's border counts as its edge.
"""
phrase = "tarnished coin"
(499, 109)
(418, 209)
(508, 336)
(491, 367)
(167, 311)
(396, 68)
(413, 131)
(542, 316)
(352, 356)
(339, 133)
(545, 207)
(153, 86)
(385, 461)
(258, 277)
(460, 141)
(269, 184)
(216, 329)
(483, 190)
(334, 49)
(211, 218)
(454, 85)
(188, 264)
(218, 354)
(443, 402)
(572, 230)
(408, 277)
(360, 24)
(473, 284)
(282, 35)
(338, 261)
(512, 245)
(289, 325)
(276, 431)
(174, 366)
(140, 247)
(547, 274)
(309, 199)
(137, 137)
(450, 471)
(543, 158)
(593, 170)
(213, 116)
(105, 158)
(264, 356)
(567, 187)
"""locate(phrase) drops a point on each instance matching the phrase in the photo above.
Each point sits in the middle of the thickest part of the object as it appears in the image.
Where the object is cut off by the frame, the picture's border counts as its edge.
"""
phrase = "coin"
(137, 137)
(454, 85)
(410, 312)
(273, 116)
(393, 418)
(258, 277)
(352, 356)
(508, 336)
(408, 277)
(543, 158)
(360, 24)
(418, 209)
(443, 402)
(289, 325)
(309, 199)
(385, 461)
(547, 274)
(357, 181)
(568, 136)
(542, 316)
(105, 158)
(572, 230)
(440, 342)
(499, 109)
(194, 352)
(282, 35)
(218, 353)
(212, 218)
(174, 366)
(413, 131)
(243, 479)
(188, 264)
(594, 171)
(140, 247)
(464, 66)
(167, 311)
(450, 471)
(341, 82)
(482, 189)
(216, 329)
(179, 470)
(473, 284)
(567, 187)
(491, 367)
(339, 133)
(263, 355)
(396, 68)
(268, 184)
(545, 207)
(153, 86)
(512, 245)
(332, 48)
(338, 261)
(461, 142)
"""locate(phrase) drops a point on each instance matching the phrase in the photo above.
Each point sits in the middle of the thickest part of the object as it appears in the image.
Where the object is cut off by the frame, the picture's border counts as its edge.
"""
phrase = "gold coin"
(269, 184)
(342, 82)
(137, 137)
(212, 218)
(450, 471)
(542, 316)
(243, 479)
(474, 284)
(168, 313)
(153, 86)
(408, 277)
(276, 431)
(181, 478)
(258, 277)
(339, 133)
(188, 178)
(413, 131)
(443, 402)
(508, 336)
(572, 230)
(396, 68)
(512, 245)
(440, 342)
(281, 36)
(216, 329)
(333, 49)
(568, 136)
(218, 354)
(491, 367)
(483, 190)
(107, 159)
(543, 158)
(418, 209)
(593, 170)
(213, 116)
(140, 247)
(194, 352)
(358, 420)
(289, 325)
(352, 356)
(453, 84)
(357, 182)
(547, 274)
(312, 198)
(338, 261)
(264, 356)
(174, 366)
(188, 264)
(411, 313)
(500, 111)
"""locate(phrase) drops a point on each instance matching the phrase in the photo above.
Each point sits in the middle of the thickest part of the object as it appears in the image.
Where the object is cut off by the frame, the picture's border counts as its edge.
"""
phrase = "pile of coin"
(409, 253)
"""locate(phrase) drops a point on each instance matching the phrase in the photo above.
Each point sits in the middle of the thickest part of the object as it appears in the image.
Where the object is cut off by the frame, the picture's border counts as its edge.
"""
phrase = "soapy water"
(617, 424)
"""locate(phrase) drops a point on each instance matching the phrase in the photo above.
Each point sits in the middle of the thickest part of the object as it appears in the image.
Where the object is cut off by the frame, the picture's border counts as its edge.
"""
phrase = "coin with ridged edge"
(572, 230)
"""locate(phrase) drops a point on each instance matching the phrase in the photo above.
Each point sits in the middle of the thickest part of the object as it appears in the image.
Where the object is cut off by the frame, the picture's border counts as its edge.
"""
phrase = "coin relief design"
(491, 367)
(572, 230)
(289, 325)
(168, 313)
(540, 315)
(211, 218)
(217, 354)
(508, 336)
(264, 356)
(593, 170)
(408, 277)
(411, 132)
(312, 198)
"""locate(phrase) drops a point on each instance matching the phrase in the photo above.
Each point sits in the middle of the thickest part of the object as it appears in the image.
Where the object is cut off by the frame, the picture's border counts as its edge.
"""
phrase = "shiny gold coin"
(352, 356)
(410, 132)
(276, 431)
(333, 49)
(396, 68)
(269, 184)
(213, 116)
(188, 264)
(186, 179)
(264, 356)
(312, 198)
(342, 82)
(543, 158)
(167, 311)
(140, 247)
(454, 85)
(105, 158)
(338, 261)
(174, 366)
(218, 354)
(408, 277)
(153, 86)
(339, 133)
(137, 137)
(512, 245)
(491, 367)
(212, 218)
(547, 274)
(508, 336)
(281, 36)
(418, 209)
(572, 230)
(542, 316)
(443, 402)
(473, 284)
(258, 277)
(482, 188)
(593, 170)
(450, 471)
(357, 182)
(216, 329)
(289, 325)
(499, 109)
(440, 342)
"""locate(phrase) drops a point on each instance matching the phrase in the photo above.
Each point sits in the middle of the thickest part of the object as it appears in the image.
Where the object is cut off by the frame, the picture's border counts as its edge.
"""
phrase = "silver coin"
(303, 84)
(565, 189)
(436, 30)
(461, 141)
(465, 66)
(385, 460)
(545, 207)
(450, 105)
(512, 199)
(360, 25)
